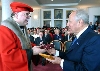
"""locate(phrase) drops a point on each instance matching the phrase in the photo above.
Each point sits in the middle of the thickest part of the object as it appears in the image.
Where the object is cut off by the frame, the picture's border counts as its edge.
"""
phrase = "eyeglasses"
(27, 14)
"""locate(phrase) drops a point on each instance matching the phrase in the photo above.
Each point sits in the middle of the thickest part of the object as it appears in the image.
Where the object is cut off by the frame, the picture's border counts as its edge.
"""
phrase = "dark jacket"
(83, 55)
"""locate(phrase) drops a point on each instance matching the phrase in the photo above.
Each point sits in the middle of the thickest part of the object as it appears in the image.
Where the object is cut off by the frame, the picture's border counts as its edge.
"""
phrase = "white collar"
(81, 32)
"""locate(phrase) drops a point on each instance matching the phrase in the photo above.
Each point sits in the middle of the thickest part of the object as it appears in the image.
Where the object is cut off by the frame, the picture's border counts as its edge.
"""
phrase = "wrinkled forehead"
(72, 15)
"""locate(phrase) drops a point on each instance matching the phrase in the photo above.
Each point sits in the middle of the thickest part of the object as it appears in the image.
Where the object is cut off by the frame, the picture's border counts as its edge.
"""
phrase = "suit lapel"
(80, 40)
(76, 44)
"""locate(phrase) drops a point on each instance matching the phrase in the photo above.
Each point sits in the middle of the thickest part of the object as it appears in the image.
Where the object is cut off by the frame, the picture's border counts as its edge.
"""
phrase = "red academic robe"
(12, 56)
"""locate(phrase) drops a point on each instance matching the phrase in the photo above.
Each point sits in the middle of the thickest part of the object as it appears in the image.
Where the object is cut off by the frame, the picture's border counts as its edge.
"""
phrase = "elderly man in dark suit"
(41, 39)
(57, 35)
(83, 54)
(47, 36)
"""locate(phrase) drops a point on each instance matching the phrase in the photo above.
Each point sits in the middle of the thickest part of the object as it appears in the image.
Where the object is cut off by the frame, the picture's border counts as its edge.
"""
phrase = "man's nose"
(67, 24)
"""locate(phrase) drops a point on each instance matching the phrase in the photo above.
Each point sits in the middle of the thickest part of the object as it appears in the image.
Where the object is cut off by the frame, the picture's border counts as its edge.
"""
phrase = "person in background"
(40, 41)
(95, 25)
(98, 28)
(35, 35)
(83, 54)
(91, 25)
(57, 35)
(15, 48)
(44, 26)
(47, 37)
(67, 35)
(30, 36)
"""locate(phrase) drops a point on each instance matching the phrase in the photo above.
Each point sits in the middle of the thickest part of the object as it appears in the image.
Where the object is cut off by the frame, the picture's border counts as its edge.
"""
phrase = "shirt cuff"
(61, 64)
(57, 53)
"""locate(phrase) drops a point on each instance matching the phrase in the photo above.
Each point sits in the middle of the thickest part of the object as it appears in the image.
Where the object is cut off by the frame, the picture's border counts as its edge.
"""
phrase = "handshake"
(48, 46)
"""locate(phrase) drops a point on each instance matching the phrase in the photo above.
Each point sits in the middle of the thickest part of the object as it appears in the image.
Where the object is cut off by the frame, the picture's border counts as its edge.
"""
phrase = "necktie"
(74, 41)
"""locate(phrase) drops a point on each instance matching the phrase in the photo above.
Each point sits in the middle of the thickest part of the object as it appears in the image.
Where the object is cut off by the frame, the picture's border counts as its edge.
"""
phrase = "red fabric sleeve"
(12, 57)
(33, 44)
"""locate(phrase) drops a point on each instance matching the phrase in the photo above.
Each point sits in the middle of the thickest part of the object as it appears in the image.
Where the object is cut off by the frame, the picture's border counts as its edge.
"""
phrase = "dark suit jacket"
(66, 37)
(32, 39)
(48, 39)
(84, 54)
(38, 40)
(56, 37)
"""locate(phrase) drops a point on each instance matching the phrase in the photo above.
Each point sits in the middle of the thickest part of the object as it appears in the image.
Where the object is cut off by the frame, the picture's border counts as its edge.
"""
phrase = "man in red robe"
(15, 48)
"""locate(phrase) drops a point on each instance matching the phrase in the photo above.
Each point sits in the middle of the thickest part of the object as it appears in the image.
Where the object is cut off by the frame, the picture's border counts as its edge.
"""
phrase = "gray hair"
(82, 14)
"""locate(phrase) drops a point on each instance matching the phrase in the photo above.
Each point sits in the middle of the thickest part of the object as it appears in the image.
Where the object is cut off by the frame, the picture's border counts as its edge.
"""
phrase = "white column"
(6, 10)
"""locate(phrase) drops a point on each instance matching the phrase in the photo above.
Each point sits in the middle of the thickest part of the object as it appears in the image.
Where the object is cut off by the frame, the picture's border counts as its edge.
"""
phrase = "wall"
(52, 19)
(34, 21)
(94, 11)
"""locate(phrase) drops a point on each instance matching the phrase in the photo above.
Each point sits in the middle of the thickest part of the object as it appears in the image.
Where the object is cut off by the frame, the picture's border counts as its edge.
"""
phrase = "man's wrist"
(57, 53)
(61, 63)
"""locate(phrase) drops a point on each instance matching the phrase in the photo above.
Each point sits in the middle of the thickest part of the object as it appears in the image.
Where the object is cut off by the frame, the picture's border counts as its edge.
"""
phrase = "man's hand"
(41, 42)
(37, 50)
(57, 60)
(51, 51)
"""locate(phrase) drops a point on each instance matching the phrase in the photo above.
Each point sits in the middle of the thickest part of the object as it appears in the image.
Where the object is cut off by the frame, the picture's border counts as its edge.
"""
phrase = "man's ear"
(16, 15)
(80, 22)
